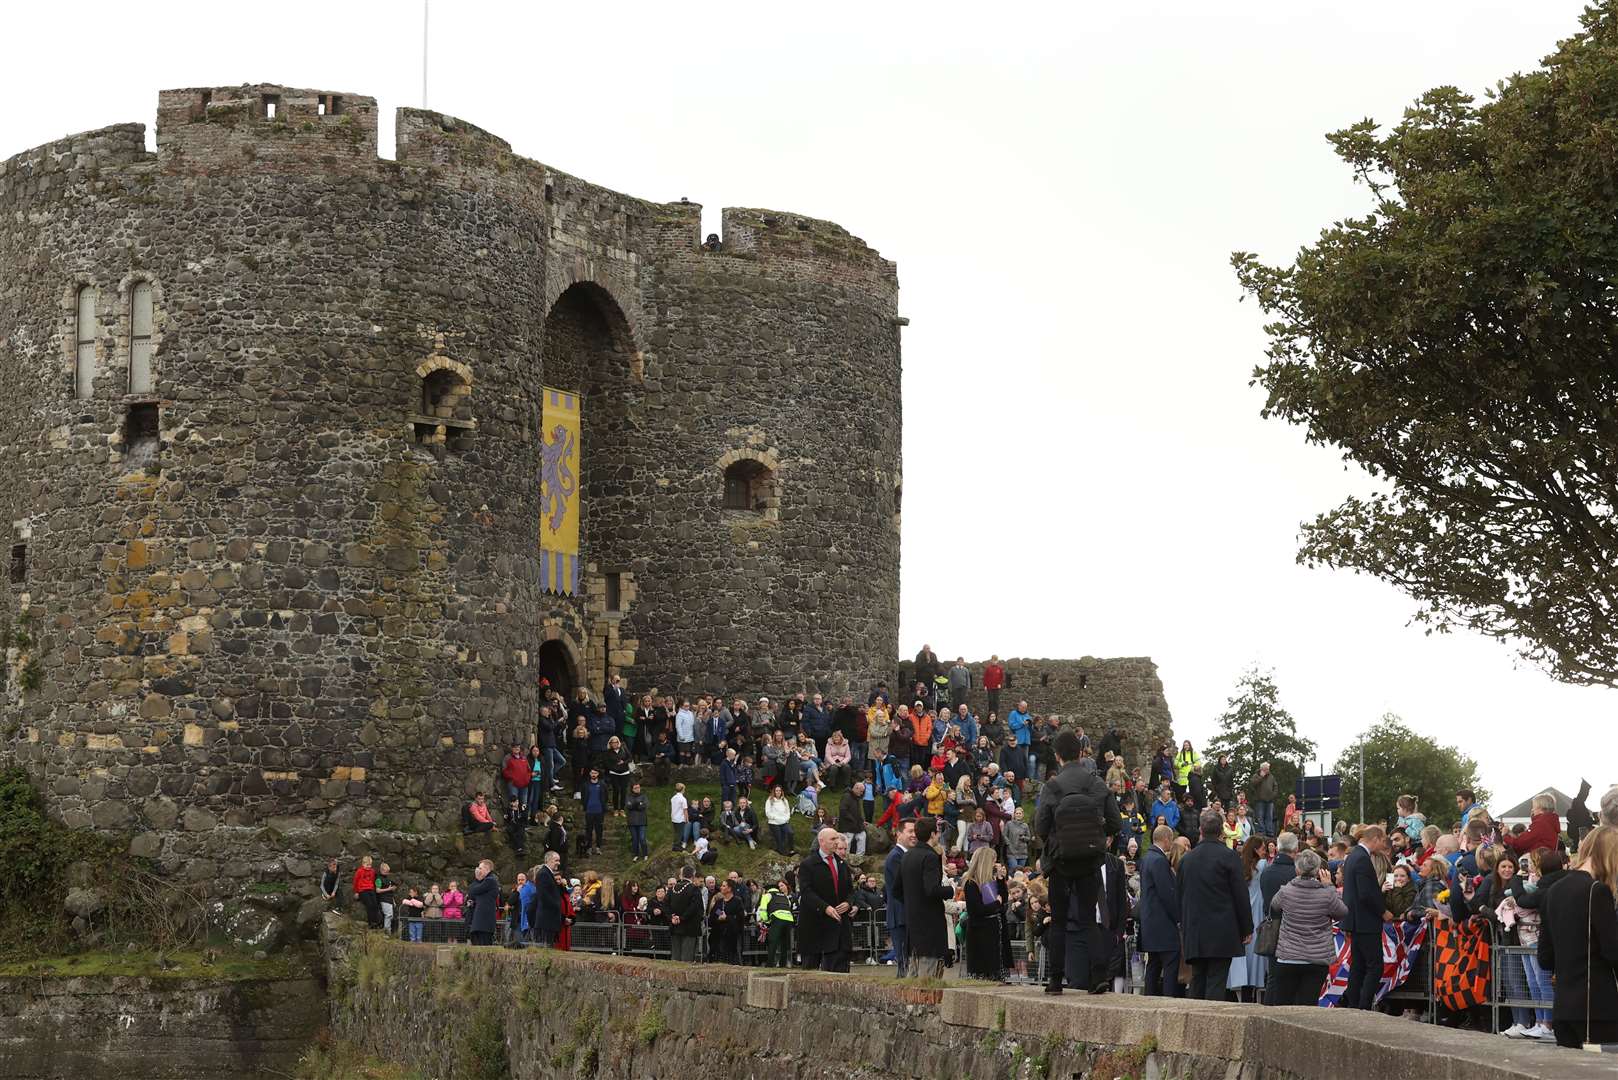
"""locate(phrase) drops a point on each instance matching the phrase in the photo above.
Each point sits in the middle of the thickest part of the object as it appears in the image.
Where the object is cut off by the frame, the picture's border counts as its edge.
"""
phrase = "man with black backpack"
(1075, 817)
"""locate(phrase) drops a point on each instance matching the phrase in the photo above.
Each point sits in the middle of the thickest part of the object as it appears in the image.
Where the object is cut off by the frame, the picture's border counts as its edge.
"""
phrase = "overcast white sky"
(1086, 471)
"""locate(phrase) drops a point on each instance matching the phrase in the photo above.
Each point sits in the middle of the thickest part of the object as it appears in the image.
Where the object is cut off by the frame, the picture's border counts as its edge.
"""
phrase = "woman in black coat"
(1578, 944)
(727, 918)
(988, 940)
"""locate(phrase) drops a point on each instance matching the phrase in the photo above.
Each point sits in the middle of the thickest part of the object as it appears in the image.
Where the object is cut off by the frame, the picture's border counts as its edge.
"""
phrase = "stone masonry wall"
(451, 1012)
(1094, 693)
(276, 600)
(123, 1028)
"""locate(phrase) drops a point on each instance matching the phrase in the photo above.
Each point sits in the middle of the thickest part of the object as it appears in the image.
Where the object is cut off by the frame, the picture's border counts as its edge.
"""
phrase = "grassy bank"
(225, 964)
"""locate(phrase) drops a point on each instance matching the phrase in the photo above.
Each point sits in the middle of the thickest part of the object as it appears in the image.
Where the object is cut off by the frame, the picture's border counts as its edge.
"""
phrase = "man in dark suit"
(1216, 914)
(904, 838)
(1160, 917)
(1362, 895)
(484, 898)
(1106, 926)
(686, 915)
(825, 906)
(546, 918)
(923, 890)
(616, 699)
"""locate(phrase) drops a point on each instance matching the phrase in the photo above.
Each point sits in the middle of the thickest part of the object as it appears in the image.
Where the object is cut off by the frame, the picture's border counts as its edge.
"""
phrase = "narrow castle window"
(272, 102)
(19, 563)
(329, 105)
(140, 338)
(747, 485)
(615, 594)
(445, 423)
(141, 438)
(84, 369)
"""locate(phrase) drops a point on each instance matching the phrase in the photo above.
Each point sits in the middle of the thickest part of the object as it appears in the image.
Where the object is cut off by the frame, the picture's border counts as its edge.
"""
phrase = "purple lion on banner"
(557, 482)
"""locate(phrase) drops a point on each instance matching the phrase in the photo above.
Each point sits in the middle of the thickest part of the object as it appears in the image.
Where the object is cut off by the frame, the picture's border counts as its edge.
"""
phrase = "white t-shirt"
(701, 845)
(677, 808)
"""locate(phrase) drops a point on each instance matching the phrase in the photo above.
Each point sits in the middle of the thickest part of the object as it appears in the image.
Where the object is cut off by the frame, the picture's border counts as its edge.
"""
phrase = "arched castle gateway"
(272, 453)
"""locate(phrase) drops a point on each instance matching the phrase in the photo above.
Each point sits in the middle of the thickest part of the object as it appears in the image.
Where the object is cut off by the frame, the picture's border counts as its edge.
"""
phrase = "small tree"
(1255, 728)
(1400, 762)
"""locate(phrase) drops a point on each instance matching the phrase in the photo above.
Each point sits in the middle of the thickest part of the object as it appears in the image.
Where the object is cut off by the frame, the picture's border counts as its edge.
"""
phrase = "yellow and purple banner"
(560, 449)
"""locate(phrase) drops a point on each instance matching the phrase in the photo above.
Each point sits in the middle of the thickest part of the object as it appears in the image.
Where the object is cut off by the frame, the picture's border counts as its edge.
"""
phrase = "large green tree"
(1400, 762)
(1255, 728)
(1460, 342)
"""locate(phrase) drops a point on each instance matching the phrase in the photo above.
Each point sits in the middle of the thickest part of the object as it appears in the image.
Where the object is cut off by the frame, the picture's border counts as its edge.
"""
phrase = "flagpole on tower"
(425, 4)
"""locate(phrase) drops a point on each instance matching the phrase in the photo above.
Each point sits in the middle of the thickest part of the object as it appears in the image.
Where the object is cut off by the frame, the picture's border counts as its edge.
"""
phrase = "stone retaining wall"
(119, 1028)
(463, 1012)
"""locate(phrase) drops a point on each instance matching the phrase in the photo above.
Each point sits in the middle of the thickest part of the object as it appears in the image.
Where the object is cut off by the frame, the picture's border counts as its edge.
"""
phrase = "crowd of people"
(1207, 870)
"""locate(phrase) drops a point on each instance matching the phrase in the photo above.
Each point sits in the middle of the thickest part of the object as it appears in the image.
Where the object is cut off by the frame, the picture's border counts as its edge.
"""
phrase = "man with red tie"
(825, 910)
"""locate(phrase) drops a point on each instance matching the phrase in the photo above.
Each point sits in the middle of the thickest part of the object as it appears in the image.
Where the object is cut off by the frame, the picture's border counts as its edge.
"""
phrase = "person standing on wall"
(994, 680)
(365, 892)
(926, 667)
(960, 682)
(484, 899)
(1264, 792)
(1215, 909)
(1074, 819)
(1362, 894)
(549, 755)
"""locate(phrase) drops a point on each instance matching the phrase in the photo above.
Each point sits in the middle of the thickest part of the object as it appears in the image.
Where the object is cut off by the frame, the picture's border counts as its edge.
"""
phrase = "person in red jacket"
(994, 677)
(1544, 827)
(518, 774)
(365, 892)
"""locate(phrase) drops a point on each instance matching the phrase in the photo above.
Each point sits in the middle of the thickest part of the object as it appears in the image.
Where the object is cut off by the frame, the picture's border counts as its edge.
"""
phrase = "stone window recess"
(750, 485)
(140, 338)
(615, 594)
(142, 438)
(19, 563)
(84, 322)
(445, 420)
(329, 105)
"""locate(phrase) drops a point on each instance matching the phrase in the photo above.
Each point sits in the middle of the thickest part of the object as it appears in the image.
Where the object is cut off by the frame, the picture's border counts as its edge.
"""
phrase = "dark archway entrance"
(556, 667)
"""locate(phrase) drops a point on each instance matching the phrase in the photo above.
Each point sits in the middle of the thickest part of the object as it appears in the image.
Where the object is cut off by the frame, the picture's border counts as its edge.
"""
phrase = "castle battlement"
(270, 128)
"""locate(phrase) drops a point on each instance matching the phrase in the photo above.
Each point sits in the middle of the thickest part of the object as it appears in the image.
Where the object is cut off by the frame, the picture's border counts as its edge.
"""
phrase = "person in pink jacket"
(454, 907)
(838, 755)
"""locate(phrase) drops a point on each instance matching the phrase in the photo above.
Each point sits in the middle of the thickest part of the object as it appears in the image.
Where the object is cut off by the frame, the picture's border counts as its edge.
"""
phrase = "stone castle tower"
(271, 460)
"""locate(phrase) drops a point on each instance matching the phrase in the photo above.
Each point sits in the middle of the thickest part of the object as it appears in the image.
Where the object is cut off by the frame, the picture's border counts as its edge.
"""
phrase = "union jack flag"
(1401, 944)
